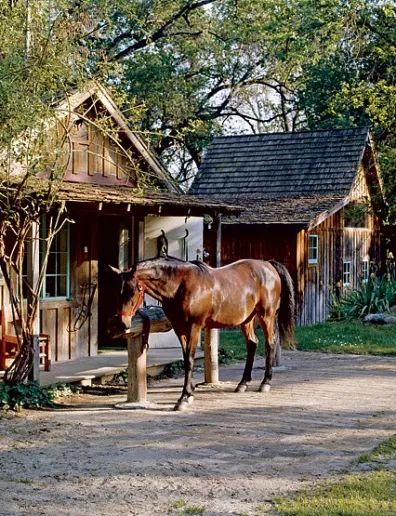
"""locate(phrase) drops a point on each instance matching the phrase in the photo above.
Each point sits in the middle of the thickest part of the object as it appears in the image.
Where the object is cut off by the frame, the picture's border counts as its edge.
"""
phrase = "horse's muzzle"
(115, 327)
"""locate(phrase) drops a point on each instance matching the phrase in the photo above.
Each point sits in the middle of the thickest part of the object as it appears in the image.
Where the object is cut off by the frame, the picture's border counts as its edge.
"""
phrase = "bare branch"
(158, 34)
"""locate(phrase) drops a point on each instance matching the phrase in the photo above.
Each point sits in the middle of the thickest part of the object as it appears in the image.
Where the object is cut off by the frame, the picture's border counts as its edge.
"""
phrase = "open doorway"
(114, 249)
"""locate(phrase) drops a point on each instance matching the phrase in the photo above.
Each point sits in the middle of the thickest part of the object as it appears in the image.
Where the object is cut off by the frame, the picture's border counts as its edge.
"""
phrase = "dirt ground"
(229, 454)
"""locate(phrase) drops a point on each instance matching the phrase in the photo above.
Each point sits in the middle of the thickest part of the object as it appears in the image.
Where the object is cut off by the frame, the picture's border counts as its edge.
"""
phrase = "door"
(111, 231)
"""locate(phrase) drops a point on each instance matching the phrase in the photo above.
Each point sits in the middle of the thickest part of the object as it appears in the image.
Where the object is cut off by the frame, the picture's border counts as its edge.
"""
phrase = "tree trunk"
(19, 370)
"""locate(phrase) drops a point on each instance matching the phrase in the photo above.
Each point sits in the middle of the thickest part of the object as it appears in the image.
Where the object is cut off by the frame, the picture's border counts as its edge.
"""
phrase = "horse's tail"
(287, 307)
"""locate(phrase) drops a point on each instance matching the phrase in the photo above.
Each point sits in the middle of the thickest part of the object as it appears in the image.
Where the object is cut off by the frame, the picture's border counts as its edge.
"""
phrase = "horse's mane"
(170, 261)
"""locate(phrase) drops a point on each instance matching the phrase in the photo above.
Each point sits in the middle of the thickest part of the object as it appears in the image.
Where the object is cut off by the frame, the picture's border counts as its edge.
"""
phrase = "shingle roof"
(282, 164)
(151, 200)
(281, 210)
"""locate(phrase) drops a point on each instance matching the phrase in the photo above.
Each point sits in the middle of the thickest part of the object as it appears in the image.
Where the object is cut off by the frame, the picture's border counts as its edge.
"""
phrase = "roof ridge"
(283, 134)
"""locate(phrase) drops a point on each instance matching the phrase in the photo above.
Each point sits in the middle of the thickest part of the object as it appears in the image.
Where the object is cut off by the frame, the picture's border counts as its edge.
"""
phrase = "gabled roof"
(96, 91)
(283, 177)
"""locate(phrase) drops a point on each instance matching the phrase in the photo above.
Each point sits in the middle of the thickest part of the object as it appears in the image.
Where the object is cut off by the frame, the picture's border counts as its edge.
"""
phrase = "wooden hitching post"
(211, 360)
(137, 371)
(137, 356)
(212, 336)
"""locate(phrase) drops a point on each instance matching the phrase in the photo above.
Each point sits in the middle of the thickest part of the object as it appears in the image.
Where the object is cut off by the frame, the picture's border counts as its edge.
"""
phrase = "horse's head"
(131, 296)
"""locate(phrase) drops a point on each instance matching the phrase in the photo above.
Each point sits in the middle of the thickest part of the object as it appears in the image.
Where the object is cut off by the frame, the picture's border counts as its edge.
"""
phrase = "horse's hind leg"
(268, 324)
(251, 346)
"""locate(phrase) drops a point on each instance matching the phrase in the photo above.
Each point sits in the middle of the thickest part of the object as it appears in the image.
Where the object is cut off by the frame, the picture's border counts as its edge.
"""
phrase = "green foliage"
(26, 395)
(375, 296)
(351, 336)
(173, 369)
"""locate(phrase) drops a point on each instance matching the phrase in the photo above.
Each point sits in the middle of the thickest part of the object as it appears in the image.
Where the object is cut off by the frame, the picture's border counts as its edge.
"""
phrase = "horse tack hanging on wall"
(162, 245)
(84, 308)
(184, 246)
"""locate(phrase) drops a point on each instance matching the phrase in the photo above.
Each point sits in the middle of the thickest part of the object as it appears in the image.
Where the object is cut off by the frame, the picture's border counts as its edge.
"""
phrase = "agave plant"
(376, 295)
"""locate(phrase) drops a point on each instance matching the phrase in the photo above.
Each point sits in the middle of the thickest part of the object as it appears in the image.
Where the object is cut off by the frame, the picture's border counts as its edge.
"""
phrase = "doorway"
(114, 249)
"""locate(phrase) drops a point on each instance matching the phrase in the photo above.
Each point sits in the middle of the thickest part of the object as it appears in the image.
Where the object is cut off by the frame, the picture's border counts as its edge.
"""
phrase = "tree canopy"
(191, 69)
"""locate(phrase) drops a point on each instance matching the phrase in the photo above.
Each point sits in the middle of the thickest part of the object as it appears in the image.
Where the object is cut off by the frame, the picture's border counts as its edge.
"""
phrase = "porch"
(88, 370)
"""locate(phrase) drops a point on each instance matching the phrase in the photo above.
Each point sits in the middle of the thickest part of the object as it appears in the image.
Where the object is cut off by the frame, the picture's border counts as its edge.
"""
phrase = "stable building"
(313, 201)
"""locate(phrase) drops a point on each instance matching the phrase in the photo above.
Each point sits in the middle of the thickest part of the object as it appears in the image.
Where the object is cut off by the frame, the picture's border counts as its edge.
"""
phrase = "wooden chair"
(9, 345)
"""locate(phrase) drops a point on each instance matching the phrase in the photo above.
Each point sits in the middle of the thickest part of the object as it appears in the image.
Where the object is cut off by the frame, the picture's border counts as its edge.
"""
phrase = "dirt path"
(230, 454)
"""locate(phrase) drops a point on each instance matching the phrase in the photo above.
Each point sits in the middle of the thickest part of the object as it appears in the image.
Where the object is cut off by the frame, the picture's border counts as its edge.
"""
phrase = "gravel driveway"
(229, 454)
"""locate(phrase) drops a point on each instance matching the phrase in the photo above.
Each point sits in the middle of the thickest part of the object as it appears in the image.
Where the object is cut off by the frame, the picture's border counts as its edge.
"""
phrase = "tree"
(195, 67)
(39, 61)
(355, 85)
(199, 68)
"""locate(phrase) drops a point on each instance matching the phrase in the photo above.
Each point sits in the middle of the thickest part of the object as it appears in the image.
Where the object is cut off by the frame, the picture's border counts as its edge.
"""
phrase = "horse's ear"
(114, 269)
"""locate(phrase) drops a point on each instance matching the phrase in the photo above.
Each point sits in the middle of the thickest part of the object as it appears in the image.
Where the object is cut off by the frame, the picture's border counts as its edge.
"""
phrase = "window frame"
(56, 275)
(313, 260)
(365, 270)
(347, 273)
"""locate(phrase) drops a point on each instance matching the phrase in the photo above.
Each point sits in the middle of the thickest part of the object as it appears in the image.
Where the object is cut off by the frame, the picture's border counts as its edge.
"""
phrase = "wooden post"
(212, 336)
(211, 359)
(137, 375)
(33, 271)
(137, 356)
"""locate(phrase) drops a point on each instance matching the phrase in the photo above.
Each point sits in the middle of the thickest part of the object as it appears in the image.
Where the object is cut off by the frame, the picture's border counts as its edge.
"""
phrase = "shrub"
(27, 395)
(374, 296)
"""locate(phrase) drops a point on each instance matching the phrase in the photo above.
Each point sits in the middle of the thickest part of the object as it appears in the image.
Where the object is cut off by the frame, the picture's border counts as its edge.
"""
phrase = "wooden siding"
(97, 159)
(314, 283)
(337, 244)
(255, 241)
(58, 316)
(55, 320)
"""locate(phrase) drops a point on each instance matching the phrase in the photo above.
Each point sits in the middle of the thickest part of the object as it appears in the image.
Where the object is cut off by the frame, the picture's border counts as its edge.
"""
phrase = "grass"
(370, 494)
(232, 346)
(384, 452)
(348, 337)
(183, 509)
(331, 337)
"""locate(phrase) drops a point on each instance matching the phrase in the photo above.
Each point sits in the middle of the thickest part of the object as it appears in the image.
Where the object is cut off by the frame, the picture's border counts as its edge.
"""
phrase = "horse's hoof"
(184, 404)
(242, 387)
(264, 387)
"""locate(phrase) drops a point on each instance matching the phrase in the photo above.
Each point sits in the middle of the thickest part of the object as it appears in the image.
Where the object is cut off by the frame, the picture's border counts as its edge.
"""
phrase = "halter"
(132, 312)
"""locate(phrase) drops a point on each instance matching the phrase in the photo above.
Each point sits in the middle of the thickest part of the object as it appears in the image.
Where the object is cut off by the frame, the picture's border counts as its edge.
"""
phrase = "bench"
(9, 343)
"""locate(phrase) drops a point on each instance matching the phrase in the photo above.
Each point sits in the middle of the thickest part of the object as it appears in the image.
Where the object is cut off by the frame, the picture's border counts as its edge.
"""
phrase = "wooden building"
(112, 184)
(313, 201)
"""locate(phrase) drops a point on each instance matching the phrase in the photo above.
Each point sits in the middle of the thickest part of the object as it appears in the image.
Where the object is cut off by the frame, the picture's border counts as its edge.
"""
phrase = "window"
(313, 249)
(365, 271)
(57, 277)
(123, 249)
(346, 274)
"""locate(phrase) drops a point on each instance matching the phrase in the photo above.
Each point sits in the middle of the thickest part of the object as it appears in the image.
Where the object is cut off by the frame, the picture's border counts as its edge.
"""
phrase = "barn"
(313, 201)
(119, 197)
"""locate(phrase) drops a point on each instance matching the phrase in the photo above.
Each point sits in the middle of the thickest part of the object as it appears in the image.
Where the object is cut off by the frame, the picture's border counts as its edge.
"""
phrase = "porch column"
(33, 272)
(212, 336)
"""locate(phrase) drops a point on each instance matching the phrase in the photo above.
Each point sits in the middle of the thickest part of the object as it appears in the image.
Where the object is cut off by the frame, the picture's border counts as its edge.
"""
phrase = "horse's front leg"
(251, 346)
(189, 345)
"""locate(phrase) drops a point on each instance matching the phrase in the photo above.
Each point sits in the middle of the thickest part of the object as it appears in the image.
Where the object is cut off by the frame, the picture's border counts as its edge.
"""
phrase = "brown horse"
(195, 296)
